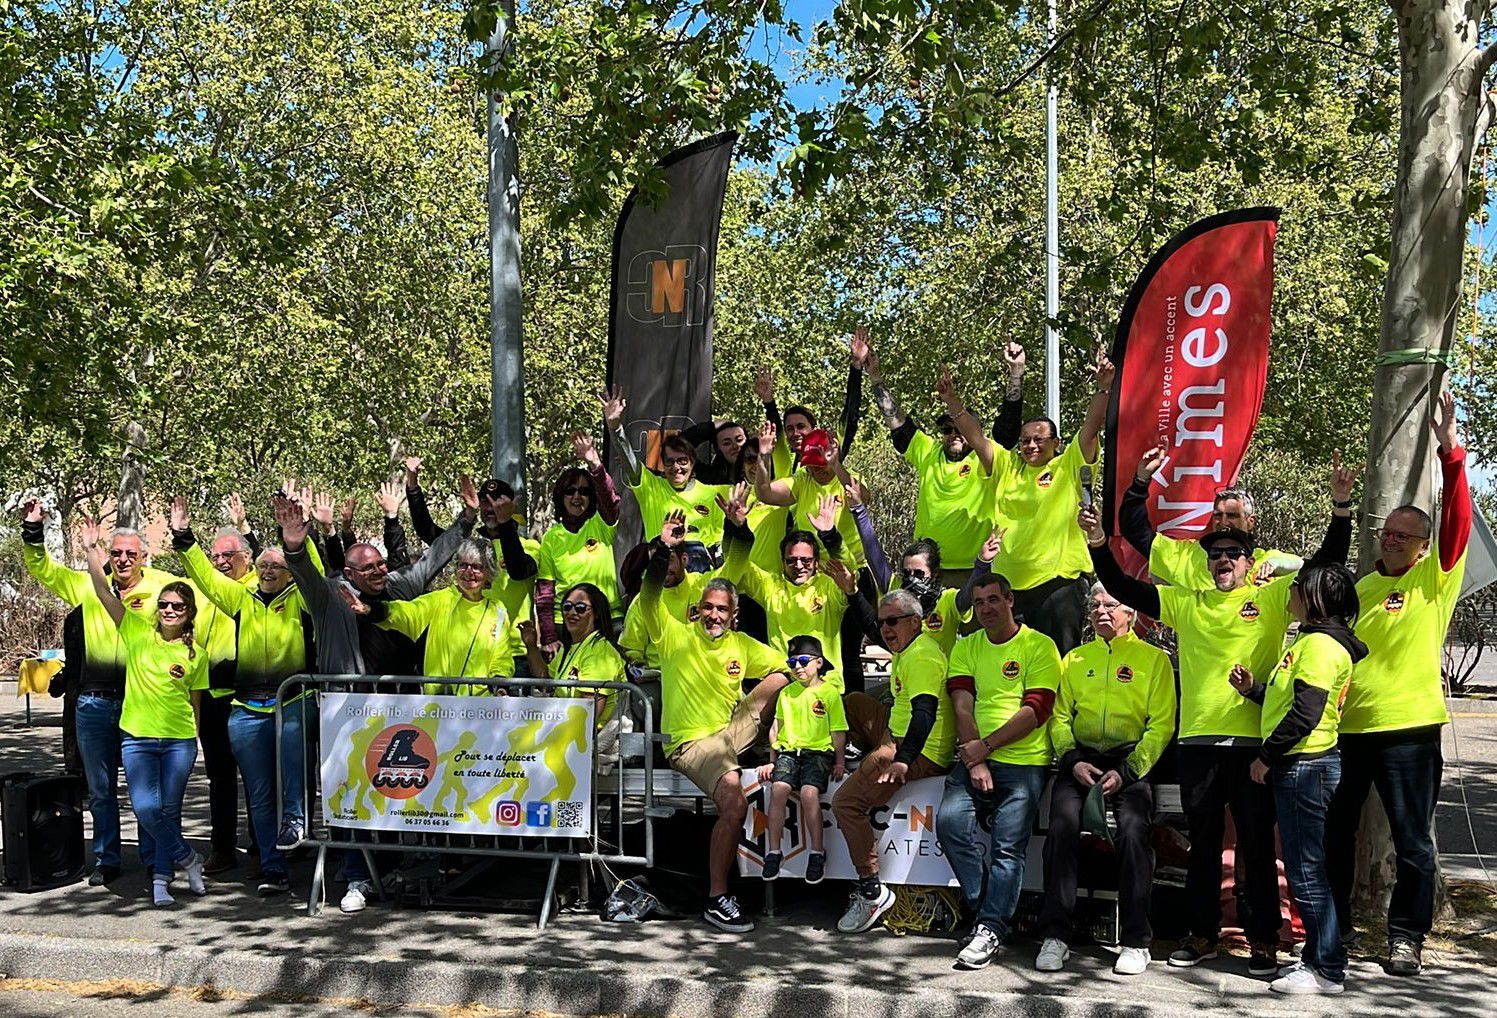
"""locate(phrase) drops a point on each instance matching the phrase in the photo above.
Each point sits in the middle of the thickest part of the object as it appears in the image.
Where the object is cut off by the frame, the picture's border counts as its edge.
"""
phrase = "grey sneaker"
(862, 913)
(979, 950)
(1404, 957)
(1053, 955)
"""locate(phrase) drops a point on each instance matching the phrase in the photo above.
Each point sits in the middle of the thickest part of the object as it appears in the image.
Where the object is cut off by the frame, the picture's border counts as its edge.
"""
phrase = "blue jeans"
(990, 888)
(252, 736)
(1302, 795)
(97, 724)
(157, 771)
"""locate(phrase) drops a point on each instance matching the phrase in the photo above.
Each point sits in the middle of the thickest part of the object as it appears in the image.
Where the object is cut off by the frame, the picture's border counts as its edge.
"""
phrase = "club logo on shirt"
(966, 469)
(1010, 669)
(934, 622)
(1249, 611)
(701, 510)
(735, 668)
(1288, 658)
(136, 603)
(817, 604)
(898, 686)
(1393, 603)
(1045, 480)
(591, 545)
(819, 709)
(693, 613)
(177, 671)
(279, 609)
(574, 673)
(1125, 674)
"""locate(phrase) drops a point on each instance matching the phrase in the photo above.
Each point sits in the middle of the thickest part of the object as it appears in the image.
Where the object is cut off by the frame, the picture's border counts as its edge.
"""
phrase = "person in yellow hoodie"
(272, 641)
(1113, 717)
(102, 683)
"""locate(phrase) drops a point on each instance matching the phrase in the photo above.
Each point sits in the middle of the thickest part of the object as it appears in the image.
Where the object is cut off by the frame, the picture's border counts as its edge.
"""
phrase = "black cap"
(810, 646)
(495, 489)
(1242, 537)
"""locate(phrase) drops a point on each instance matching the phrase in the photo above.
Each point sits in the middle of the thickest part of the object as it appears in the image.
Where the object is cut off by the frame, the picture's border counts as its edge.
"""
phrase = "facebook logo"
(538, 814)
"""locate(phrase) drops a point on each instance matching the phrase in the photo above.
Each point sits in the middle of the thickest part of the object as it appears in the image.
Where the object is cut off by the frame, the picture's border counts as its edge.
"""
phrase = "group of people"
(759, 584)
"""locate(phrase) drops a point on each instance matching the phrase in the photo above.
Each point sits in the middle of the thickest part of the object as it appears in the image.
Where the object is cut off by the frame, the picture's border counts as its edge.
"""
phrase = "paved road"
(30, 998)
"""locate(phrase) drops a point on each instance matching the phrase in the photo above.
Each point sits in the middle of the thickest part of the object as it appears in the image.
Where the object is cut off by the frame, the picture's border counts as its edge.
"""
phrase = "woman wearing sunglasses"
(578, 547)
(164, 679)
(589, 652)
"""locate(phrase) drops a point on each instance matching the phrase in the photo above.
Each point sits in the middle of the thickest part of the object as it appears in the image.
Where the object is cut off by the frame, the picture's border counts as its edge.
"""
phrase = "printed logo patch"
(1249, 611)
(1393, 603)
(1045, 480)
(1125, 674)
(1010, 669)
(136, 603)
(701, 510)
(819, 709)
(965, 470)
(934, 622)
(592, 544)
(279, 609)
(817, 604)
(735, 668)
(693, 613)
(177, 671)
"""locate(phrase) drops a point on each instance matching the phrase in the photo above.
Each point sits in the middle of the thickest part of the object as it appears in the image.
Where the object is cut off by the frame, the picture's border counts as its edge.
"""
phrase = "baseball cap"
(814, 449)
(1230, 534)
(494, 488)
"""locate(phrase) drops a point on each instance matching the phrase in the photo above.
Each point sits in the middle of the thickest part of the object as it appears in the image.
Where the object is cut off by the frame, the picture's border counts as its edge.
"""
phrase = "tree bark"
(130, 505)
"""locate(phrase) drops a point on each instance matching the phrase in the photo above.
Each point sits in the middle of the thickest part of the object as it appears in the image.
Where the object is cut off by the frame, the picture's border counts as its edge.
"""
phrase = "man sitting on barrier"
(703, 668)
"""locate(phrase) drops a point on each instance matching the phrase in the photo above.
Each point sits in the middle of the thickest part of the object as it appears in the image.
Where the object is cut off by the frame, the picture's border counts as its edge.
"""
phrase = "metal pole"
(1052, 248)
(507, 360)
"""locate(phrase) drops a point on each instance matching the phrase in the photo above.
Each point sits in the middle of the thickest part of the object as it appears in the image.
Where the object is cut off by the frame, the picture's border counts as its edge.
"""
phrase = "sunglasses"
(175, 607)
(1232, 553)
(575, 607)
(800, 560)
(891, 621)
(801, 660)
(579, 490)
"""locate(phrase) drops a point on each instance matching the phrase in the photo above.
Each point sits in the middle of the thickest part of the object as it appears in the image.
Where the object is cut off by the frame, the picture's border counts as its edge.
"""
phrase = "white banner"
(908, 852)
(505, 765)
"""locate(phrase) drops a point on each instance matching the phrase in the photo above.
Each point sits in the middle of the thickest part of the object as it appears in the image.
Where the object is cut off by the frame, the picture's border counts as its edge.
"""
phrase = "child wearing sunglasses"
(808, 747)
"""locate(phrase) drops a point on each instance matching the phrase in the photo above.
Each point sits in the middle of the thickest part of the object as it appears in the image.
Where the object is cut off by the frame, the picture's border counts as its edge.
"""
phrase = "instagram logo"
(508, 814)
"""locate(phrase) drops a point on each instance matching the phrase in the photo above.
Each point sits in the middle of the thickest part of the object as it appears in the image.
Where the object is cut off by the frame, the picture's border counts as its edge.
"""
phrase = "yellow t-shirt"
(1115, 694)
(1183, 563)
(1403, 622)
(160, 676)
(701, 679)
(1002, 673)
(955, 503)
(945, 623)
(657, 499)
(1217, 630)
(584, 557)
(814, 608)
(1317, 660)
(918, 670)
(808, 715)
(595, 660)
(808, 495)
(1037, 506)
(768, 525)
(680, 601)
(464, 639)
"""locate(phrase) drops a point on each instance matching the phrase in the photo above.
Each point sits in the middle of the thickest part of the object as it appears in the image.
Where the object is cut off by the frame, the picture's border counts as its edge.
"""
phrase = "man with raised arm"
(1395, 706)
(1235, 622)
(705, 714)
(1037, 488)
(102, 686)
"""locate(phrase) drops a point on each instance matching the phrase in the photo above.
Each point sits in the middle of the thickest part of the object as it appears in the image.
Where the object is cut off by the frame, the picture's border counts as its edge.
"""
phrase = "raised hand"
(1104, 372)
(585, 450)
(288, 517)
(1150, 462)
(946, 391)
(764, 384)
(304, 499)
(322, 510)
(92, 532)
(31, 511)
(1342, 479)
(767, 434)
(825, 516)
(834, 453)
(1013, 356)
(1241, 679)
(234, 509)
(673, 530)
(179, 519)
(412, 471)
(871, 366)
(388, 499)
(468, 492)
(735, 506)
(1263, 572)
(345, 513)
(857, 492)
(614, 405)
(1443, 421)
(1091, 525)
(993, 545)
(529, 636)
(860, 347)
(841, 575)
(352, 600)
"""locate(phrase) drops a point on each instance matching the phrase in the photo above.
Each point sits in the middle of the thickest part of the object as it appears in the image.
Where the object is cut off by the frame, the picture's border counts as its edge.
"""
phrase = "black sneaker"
(273, 883)
(1192, 951)
(815, 867)
(102, 875)
(772, 865)
(1263, 960)
(1404, 957)
(724, 913)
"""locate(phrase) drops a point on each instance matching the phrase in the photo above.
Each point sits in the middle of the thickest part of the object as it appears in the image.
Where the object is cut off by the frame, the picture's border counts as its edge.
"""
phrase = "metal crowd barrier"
(610, 791)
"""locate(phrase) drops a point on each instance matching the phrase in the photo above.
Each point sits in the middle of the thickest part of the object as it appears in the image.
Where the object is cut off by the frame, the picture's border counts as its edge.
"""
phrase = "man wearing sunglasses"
(1232, 623)
(101, 691)
(1395, 706)
(704, 666)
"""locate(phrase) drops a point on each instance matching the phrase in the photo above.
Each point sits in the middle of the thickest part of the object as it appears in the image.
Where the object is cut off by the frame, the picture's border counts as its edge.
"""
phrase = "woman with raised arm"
(578, 547)
(164, 679)
(589, 652)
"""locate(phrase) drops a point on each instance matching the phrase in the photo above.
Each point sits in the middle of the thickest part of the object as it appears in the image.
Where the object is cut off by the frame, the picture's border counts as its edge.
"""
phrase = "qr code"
(569, 813)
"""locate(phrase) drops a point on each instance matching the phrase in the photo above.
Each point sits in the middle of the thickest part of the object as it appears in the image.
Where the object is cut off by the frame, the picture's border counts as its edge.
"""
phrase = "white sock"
(194, 868)
(161, 892)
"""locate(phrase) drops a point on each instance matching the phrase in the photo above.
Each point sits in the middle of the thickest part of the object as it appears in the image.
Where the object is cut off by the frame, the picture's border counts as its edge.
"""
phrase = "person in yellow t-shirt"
(910, 740)
(808, 749)
(1301, 703)
(578, 547)
(1002, 683)
(1036, 489)
(705, 714)
(1395, 708)
(165, 675)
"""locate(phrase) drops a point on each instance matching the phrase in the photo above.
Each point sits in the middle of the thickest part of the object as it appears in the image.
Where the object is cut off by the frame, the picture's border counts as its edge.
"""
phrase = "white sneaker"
(863, 912)
(1304, 980)
(1132, 961)
(1053, 955)
(980, 949)
(356, 897)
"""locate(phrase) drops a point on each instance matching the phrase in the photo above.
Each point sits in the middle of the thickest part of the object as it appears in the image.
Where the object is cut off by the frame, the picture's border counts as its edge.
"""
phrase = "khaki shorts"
(707, 759)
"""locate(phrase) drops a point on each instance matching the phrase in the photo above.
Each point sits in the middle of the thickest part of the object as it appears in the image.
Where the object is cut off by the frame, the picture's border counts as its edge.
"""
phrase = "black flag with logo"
(660, 311)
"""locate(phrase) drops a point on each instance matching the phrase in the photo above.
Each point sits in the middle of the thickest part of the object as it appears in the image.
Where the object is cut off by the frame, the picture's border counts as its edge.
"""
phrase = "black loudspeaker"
(43, 829)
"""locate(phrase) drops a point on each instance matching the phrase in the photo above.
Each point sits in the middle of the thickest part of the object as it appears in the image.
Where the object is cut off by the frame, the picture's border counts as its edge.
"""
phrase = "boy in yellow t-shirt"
(808, 748)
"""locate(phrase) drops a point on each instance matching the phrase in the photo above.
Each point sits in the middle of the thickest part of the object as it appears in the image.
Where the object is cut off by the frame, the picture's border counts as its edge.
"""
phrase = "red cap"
(814, 448)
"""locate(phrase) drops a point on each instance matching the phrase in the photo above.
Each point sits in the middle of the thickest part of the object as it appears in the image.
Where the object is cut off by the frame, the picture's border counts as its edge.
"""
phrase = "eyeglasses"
(1399, 535)
(175, 607)
(678, 461)
(800, 560)
(580, 489)
(372, 567)
(226, 556)
(1231, 553)
(801, 660)
(470, 567)
(890, 621)
(575, 607)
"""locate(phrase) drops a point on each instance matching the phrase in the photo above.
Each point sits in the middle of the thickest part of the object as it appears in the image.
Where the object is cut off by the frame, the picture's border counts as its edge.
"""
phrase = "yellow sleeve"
(410, 617)
(1169, 558)
(918, 451)
(1062, 739)
(507, 644)
(68, 584)
(228, 595)
(762, 660)
(1044, 671)
(1174, 605)
(652, 614)
(1160, 726)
